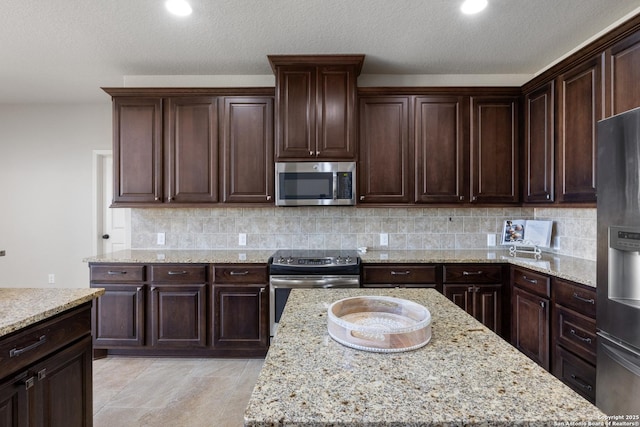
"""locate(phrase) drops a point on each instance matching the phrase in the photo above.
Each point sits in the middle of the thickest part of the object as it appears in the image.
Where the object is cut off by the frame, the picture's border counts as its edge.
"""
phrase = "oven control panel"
(302, 259)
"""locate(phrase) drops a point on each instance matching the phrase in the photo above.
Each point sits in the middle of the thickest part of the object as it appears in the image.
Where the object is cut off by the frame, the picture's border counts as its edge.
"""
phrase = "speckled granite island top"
(466, 375)
(21, 307)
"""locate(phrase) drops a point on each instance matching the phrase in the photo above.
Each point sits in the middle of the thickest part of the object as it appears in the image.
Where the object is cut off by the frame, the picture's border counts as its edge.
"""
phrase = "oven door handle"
(314, 282)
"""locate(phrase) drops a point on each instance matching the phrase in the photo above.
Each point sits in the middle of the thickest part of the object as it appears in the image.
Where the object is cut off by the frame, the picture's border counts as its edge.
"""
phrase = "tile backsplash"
(349, 227)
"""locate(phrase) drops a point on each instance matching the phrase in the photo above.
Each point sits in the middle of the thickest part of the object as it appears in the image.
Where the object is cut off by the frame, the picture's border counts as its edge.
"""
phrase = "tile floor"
(176, 392)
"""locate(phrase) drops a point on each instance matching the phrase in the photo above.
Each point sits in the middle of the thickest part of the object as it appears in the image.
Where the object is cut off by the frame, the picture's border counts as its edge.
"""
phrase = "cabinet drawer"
(473, 273)
(576, 373)
(179, 273)
(399, 274)
(240, 273)
(537, 283)
(40, 340)
(117, 273)
(575, 297)
(576, 332)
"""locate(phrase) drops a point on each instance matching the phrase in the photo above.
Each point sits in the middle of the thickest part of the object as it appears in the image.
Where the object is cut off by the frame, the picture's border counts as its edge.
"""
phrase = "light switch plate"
(491, 239)
(384, 239)
(161, 238)
(242, 239)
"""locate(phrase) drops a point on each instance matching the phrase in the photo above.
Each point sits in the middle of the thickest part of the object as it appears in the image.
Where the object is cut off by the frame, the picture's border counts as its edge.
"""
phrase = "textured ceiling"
(64, 50)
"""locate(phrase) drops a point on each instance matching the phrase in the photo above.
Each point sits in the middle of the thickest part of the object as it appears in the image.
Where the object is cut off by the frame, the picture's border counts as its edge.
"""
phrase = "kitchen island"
(465, 375)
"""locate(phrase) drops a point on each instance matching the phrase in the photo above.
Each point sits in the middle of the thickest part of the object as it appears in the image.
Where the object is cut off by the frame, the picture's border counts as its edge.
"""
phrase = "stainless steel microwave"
(315, 183)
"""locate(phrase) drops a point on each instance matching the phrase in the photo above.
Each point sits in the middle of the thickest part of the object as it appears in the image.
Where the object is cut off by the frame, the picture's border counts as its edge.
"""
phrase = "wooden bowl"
(379, 324)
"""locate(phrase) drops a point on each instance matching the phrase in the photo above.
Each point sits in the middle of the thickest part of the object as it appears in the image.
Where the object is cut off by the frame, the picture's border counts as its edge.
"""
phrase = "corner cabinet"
(315, 112)
(539, 144)
(494, 149)
(192, 147)
(580, 106)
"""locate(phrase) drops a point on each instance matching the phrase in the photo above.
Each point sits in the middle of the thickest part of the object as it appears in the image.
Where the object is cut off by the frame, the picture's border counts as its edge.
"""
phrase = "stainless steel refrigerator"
(618, 267)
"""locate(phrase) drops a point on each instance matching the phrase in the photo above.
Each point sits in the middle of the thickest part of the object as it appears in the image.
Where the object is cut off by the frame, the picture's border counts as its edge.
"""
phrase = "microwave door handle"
(335, 186)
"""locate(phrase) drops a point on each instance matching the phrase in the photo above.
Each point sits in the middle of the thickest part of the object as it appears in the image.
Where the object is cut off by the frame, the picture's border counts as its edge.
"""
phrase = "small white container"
(379, 324)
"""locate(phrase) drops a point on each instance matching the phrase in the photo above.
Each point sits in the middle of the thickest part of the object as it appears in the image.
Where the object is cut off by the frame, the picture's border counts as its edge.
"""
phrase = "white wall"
(46, 190)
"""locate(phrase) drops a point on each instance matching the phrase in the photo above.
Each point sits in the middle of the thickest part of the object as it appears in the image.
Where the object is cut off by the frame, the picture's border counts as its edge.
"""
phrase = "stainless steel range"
(298, 269)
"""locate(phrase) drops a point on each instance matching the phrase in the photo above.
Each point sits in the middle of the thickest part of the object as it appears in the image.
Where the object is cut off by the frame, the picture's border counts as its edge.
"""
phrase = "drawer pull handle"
(579, 298)
(581, 383)
(534, 281)
(177, 273)
(472, 273)
(584, 339)
(239, 273)
(400, 273)
(115, 273)
(15, 352)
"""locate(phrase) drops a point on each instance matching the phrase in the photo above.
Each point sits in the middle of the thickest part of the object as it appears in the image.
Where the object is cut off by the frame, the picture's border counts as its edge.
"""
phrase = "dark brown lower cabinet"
(118, 318)
(57, 389)
(484, 302)
(240, 317)
(530, 325)
(178, 316)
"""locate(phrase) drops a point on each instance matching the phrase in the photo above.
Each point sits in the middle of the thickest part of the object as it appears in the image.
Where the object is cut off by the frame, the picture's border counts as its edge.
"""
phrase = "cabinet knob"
(543, 304)
(105, 236)
(548, 196)
(361, 197)
(268, 197)
(317, 153)
(157, 198)
(311, 153)
(474, 198)
(461, 198)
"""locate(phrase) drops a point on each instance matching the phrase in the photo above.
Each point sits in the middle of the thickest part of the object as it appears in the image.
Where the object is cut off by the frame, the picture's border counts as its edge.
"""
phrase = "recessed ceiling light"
(470, 7)
(178, 7)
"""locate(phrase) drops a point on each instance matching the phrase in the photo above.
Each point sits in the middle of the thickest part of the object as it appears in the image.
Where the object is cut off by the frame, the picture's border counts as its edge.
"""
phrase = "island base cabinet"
(530, 326)
(14, 402)
(241, 317)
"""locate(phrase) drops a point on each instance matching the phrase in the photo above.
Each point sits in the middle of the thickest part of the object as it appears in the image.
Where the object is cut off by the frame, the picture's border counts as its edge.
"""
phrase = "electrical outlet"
(52, 278)
(242, 239)
(384, 239)
(491, 239)
(160, 238)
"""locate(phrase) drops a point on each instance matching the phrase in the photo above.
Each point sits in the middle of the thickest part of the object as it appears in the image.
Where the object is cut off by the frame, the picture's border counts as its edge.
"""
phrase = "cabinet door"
(580, 107)
(336, 120)
(137, 150)
(539, 145)
(460, 295)
(442, 149)
(247, 138)
(63, 390)
(530, 326)
(483, 302)
(192, 154)
(623, 62)
(14, 401)
(178, 316)
(385, 170)
(295, 112)
(240, 319)
(494, 150)
(119, 316)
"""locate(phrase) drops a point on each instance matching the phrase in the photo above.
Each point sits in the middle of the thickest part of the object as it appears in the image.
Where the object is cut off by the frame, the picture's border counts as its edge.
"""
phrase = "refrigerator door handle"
(625, 359)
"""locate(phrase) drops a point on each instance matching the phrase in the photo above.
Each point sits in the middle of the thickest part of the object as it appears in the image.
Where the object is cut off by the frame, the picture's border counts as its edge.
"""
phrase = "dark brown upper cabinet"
(247, 140)
(494, 149)
(580, 106)
(192, 149)
(385, 170)
(623, 69)
(442, 149)
(539, 145)
(315, 111)
(137, 150)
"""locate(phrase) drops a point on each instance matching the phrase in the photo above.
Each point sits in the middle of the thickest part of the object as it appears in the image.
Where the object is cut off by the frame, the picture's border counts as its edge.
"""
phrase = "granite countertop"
(22, 307)
(466, 375)
(574, 269)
